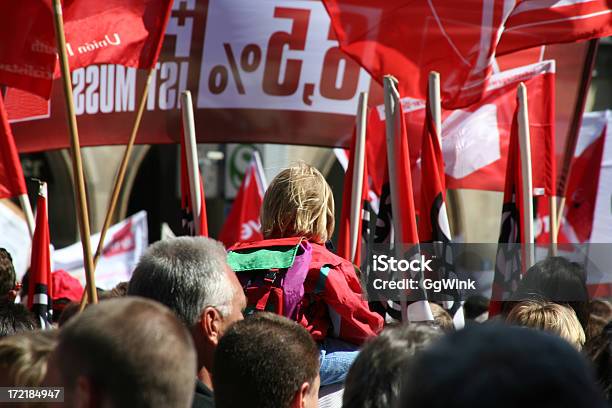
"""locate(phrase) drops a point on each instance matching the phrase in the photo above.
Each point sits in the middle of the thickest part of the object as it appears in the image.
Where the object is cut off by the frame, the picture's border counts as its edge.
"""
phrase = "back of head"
(23, 357)
(599, 350)
(262, 361)
(442, 317)
(375, 378)
(298, 202)
(7, 274)
(186, 274)
(500, 366)
(550, 317)
(15, 318)
(557, 280)
(133, 353)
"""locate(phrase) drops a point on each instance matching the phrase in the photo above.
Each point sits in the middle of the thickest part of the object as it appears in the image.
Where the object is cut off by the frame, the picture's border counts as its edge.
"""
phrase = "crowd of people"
(200, 326)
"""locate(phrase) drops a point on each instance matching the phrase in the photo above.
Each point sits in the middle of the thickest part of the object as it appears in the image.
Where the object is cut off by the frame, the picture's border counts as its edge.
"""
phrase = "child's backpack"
(272, 273)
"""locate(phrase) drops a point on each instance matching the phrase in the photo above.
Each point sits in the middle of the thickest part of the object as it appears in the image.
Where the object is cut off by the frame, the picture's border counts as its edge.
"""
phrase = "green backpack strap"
(279, 257)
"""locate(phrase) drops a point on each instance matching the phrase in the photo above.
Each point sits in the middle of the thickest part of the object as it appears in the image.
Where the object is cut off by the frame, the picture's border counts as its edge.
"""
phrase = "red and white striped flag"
(124, 32)
(39, 287)
(243, 222)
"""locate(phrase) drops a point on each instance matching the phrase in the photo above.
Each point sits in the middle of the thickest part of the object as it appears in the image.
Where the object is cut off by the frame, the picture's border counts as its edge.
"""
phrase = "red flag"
(410, 38)
(39, 287)
(12, 183)
(508, 262)
(537, 22)
(124, 32)
(581, 193)
(475, 139)
(242, 223)
(186, 206)
(401, 163)
(344, 226)
(433, 219)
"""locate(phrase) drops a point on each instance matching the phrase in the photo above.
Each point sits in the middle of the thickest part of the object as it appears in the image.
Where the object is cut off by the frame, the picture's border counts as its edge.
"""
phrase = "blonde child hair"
(298, 202)
(551, 317)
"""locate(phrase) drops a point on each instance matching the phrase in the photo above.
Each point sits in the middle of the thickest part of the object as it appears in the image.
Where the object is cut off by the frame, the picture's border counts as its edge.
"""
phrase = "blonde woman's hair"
(24, 356)
(551, 317)
(298, 202)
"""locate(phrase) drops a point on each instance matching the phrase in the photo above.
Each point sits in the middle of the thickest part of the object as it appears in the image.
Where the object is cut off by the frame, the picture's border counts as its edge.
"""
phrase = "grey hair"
(187, 274)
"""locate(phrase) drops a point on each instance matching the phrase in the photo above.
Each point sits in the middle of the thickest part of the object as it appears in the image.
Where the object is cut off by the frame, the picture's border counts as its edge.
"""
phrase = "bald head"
(126, 352)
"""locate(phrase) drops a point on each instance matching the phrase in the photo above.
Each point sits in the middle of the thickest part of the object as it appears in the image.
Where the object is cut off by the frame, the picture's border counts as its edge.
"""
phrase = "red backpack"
(272, 273)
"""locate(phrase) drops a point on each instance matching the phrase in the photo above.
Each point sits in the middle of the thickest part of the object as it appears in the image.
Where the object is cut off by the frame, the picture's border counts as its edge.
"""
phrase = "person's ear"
(211, 324)
(299, 400)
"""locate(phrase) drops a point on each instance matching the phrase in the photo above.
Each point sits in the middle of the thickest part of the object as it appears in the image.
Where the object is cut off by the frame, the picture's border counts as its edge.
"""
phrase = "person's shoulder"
(323, 256)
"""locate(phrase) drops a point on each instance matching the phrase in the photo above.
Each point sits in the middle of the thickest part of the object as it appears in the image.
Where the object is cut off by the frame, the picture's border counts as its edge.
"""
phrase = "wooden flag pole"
(120, 178)
(435, 102)
(75, 153)
(553, 228)
(527, 186)
(392, 127)
(192, 158)
(358, 168)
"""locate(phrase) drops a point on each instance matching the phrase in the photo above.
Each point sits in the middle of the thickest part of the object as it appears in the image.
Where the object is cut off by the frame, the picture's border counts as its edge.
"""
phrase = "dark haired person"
(499, 366)
(375, 379)
(124, 352)
(8, 279)
(266, 361)
(555, 279)
(599, 350)
(190, 275)
(15, 318)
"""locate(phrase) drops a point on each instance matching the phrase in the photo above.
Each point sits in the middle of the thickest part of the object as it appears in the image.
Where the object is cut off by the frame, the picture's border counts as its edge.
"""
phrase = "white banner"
(277, 55)
(124, 244)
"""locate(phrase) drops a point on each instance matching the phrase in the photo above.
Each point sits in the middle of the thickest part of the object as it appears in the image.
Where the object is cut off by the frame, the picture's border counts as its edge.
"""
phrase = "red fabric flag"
(124, 32)
(186, 206)
(475, 139)
(410, 38)
(243, 223)
(39, 287)
(344, 226)
(537, 22)
(12, 183)
(581, 193)
(406, 213)
(433, 219)
(508, 263)
(377, 152)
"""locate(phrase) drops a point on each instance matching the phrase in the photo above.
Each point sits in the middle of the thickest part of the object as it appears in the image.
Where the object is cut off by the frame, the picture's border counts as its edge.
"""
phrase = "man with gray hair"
(191, 276)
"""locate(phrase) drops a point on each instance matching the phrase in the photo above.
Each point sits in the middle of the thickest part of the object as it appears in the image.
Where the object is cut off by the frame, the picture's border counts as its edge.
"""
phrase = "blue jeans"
(335, 359)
